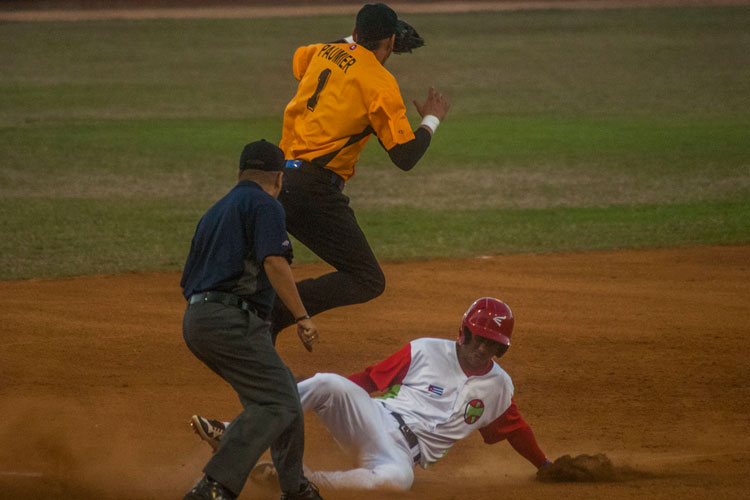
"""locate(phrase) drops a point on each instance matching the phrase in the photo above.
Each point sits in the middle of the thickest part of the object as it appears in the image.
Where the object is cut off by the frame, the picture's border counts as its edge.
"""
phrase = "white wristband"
(431, 121)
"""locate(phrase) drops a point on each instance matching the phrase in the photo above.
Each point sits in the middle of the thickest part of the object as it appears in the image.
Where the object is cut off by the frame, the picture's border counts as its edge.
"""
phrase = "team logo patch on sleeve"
(435, 390)
(473, 411)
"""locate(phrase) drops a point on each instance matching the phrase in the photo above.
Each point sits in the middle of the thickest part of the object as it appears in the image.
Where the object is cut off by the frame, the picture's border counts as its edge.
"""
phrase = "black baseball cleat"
(308, 491)
(208, 489)
(209, 430)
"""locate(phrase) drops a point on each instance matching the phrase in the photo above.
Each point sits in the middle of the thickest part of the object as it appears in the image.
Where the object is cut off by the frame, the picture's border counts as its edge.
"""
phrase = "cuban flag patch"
(435, 390)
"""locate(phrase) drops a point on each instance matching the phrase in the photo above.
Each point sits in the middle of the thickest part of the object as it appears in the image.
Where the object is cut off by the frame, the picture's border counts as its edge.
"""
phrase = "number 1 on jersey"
(322, 80)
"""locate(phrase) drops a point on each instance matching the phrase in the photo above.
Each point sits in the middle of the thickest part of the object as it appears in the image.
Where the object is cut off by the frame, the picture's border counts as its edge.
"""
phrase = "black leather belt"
(228, 299)
(321, 172)
(411, 438)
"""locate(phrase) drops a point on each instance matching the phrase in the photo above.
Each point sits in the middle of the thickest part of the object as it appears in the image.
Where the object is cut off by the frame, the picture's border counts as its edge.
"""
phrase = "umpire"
(238, 262)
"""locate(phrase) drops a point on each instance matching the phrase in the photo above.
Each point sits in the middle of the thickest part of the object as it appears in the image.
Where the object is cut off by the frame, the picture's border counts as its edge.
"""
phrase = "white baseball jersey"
(440, 403)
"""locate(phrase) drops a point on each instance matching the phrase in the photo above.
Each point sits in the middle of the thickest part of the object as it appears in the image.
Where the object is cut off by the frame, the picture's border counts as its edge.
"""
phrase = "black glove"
(407, 38)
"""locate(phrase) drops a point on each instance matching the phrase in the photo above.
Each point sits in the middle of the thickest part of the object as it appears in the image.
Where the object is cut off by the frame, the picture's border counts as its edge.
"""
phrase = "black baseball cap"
(375, 21)
(262, 155)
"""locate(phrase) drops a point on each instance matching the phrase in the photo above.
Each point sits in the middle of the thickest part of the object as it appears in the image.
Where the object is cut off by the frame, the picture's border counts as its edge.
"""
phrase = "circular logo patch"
(473, 411)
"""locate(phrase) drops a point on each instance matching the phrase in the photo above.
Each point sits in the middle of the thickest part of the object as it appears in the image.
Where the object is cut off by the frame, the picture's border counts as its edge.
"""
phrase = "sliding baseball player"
(434, 392)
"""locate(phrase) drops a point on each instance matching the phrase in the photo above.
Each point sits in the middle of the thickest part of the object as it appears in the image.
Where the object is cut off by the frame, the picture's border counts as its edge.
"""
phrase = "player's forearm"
(524, 442)
(406, 155)
(281, 278)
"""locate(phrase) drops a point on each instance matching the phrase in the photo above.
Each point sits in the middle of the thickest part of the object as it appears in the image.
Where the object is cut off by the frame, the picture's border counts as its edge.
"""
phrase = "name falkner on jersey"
(337, 56)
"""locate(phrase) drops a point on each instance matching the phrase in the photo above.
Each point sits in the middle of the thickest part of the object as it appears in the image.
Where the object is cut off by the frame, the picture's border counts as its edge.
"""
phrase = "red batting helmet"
(489, 318)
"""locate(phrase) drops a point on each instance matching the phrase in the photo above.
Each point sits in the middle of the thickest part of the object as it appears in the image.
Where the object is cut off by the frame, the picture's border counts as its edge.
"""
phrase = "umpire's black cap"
(375, 21)
(262, 155)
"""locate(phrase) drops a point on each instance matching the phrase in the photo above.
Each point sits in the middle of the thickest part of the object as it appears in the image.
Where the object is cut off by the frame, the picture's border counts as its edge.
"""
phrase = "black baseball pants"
(237, 346)
(319, 216)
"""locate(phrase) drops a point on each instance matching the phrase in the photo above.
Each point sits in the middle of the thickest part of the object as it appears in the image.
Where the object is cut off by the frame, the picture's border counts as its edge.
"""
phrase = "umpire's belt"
(227, 299)
(411, 438)
(320, 172)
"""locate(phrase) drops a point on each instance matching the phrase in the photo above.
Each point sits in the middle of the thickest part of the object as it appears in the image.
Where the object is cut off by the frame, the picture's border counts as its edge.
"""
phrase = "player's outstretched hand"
(435, 104)
(307, 333)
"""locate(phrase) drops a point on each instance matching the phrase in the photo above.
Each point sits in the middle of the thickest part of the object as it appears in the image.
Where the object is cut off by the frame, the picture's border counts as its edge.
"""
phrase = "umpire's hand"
(307, 332)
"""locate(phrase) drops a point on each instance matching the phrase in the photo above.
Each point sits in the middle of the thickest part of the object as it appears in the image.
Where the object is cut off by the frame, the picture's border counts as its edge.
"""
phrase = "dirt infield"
(641, 355)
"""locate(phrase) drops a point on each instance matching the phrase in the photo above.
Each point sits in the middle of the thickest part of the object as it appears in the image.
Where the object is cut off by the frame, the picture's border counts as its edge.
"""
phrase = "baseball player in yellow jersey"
(345, 95)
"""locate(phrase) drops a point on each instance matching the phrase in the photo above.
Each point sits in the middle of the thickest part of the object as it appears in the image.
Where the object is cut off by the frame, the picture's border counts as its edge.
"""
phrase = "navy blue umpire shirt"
(230, 244)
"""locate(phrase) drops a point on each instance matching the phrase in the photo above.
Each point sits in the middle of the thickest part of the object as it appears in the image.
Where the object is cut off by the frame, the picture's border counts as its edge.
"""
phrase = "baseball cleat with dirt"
(264, 474)
(209, 430)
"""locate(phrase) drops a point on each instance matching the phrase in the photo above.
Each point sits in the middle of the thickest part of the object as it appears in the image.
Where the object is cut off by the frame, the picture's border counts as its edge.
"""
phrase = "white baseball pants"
(358, 422)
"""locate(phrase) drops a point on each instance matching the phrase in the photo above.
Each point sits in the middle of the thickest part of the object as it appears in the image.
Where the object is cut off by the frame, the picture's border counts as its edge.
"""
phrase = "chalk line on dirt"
(20, 473)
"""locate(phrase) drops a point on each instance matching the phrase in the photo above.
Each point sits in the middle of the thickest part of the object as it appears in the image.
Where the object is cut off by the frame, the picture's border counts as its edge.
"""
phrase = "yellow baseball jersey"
(344, 95)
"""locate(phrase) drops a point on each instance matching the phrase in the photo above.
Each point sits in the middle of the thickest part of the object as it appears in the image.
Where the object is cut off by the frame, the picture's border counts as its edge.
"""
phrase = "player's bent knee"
(368, 282)
(378, 289)
(395, 478)
(323, 389)
(330, 383)
(373, 287)
(379, 284)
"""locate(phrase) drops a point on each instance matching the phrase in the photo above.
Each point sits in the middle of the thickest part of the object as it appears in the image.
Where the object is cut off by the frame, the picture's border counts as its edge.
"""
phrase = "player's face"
(478, 352)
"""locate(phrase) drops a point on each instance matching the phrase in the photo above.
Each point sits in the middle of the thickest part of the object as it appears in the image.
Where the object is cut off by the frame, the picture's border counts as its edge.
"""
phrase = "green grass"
(570, 130)
(96, 236)
(155, 235)
(491, 232)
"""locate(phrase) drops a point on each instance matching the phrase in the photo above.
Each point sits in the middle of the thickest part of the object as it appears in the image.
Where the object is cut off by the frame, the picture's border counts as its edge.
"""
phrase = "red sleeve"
(511, 426)
(388, 372)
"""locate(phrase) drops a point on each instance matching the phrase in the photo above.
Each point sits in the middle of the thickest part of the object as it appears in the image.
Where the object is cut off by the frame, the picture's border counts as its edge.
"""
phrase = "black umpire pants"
(319, 216)
(237, 346)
